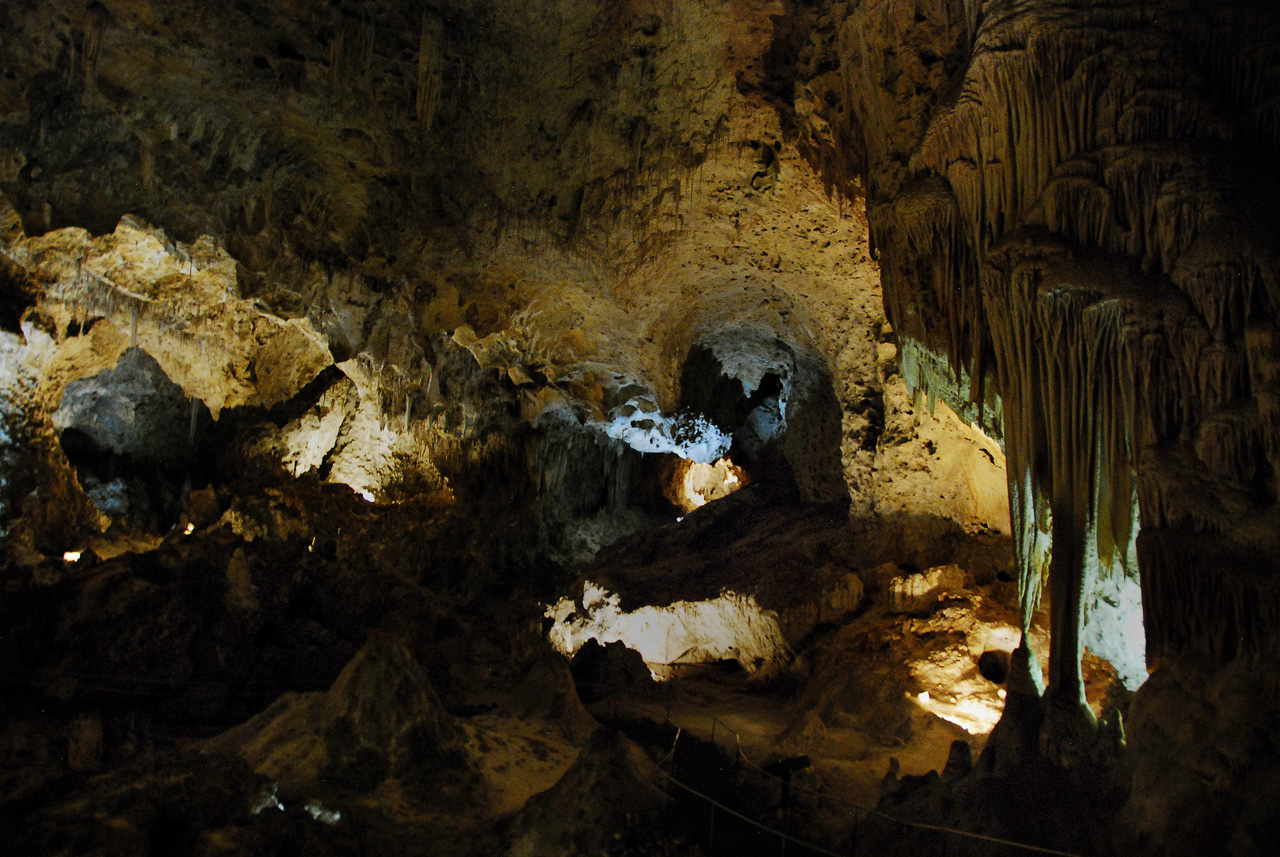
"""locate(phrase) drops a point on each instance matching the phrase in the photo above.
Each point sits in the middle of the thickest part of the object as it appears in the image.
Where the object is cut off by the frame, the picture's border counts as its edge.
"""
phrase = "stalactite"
(1219, 376)
(1064, 342)
(337, 51)
(1080, 136)
(430, 65)
(1010, 322)
(1217, 604)
(96, 20)
(366, 41)
(1230, 444)
(1068, 388)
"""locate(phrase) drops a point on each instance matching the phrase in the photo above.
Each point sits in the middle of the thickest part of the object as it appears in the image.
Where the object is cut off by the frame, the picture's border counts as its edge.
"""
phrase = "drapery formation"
(1068, 203)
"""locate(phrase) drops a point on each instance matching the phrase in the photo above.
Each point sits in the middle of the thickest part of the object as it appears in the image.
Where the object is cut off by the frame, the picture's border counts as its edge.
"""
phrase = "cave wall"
(566, 196)
(1069, 206)
(434, 272)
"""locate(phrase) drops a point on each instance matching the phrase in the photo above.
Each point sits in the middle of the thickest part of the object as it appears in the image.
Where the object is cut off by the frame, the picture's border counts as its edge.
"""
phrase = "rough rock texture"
(15, 394)
(919, 593)
(358, 170)
(549, 695)
(132, 409)
(1065, 200)
(452, 279)
(381, 718)
(1197, 734)
(607, 794)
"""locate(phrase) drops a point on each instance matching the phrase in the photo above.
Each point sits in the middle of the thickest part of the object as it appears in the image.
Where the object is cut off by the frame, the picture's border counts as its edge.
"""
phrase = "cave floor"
(846, 766)
(888, 684)
(421, 718)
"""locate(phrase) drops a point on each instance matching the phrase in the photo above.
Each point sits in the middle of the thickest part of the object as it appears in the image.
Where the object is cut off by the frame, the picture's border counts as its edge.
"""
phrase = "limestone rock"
(1068, 205)
(548, 694)
(920, 593)
(84, 743)
(17, 381)
(381, 718)
(959, 761)
(608, 790)
(132, 409)
(845, 594)
(599, 671)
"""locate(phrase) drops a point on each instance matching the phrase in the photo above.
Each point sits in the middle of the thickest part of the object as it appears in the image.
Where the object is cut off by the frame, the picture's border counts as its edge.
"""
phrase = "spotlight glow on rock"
(640, 425)
(694, 484)
(977, 714)
(731, 627)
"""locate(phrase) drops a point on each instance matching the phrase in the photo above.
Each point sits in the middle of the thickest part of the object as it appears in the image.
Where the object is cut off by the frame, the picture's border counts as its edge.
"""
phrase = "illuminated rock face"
(16, 382)
(1061, 200)
(919, 593)
(731, 627)
(303, 195)
(693, 484)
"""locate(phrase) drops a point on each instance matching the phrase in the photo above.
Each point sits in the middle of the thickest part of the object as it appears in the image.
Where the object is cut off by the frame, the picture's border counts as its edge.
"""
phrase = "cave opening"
(776, 403)
(739, 380)
(690, 485)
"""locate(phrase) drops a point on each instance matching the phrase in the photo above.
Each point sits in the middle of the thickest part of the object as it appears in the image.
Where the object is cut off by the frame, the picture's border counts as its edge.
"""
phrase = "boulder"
(599, 671)
(548, 695)
(606, 792)
(132, 409)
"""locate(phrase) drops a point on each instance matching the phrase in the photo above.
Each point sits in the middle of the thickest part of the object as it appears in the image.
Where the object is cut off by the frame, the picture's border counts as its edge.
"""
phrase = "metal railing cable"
(886, 816)
(871, 811)
(245, 689)
(786, 837)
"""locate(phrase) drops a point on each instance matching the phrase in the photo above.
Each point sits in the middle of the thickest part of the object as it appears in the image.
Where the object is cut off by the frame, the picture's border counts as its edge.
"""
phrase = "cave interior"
(571, 427)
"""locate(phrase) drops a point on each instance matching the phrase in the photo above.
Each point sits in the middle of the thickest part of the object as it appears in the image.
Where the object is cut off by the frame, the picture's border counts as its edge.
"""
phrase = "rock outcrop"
(380, 719)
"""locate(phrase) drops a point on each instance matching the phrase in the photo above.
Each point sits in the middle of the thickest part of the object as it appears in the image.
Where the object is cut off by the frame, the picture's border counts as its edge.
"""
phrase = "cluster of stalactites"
(1070, 215)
